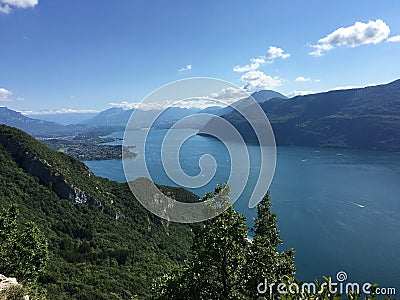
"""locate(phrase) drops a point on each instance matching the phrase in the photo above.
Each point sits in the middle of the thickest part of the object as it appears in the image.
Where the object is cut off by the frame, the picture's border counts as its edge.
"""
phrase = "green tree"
(264, 262)
(218, 257)
(23, 248)
(226, 263)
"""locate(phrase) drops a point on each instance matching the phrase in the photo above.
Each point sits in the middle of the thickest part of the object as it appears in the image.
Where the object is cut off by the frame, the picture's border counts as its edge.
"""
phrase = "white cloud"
(358, 34)
(302, 79)
(275, 52)
(257, 80)
(59, 111)
(124, 104)
(300, 93)
(229, 95)
(5, 95)
(185, 68)
(395, 38)
(255, 63)
(251, 67)
(6, 6)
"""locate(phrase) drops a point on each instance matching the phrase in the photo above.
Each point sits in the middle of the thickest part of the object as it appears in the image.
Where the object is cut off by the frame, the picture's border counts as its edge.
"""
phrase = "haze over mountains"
(367, 118)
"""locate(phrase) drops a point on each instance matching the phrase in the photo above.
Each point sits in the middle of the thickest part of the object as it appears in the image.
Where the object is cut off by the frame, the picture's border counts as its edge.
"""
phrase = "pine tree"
(264, 262)
(224, 263)
(218, 256)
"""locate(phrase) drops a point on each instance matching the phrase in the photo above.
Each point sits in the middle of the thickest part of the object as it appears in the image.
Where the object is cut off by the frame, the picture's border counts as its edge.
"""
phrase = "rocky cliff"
(46, 175)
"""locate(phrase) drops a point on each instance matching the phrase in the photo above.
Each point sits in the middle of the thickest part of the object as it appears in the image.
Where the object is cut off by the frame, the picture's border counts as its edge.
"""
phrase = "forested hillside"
(107, 247)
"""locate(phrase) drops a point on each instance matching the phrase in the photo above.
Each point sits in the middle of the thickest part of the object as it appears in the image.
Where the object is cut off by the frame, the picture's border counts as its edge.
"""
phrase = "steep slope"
(103, 243)
(367, 118)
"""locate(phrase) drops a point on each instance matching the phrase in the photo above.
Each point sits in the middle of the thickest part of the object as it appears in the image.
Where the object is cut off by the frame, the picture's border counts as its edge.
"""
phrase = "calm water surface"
(338, 208)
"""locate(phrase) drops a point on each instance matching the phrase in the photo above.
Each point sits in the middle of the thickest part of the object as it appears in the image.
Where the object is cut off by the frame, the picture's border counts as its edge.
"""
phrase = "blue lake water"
(338, 208)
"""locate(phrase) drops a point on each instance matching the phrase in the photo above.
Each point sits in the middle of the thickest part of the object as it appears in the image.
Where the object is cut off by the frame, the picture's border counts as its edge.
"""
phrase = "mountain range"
(366, 118)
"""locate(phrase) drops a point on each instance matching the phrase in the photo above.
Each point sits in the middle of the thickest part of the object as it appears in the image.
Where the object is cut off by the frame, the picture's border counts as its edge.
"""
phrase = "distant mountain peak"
(265, 95)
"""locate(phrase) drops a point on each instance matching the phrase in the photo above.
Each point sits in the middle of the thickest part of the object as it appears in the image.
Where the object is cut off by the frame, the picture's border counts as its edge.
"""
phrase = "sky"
(81, 56)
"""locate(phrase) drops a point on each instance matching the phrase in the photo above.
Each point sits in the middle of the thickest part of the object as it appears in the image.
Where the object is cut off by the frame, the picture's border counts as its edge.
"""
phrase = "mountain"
(365, 118)
(205, 115)
(260, 97)
(103, 244)
(64, 118)
(114, 116)
(32, 126)
(214, 110)
(42, 128)
(119, 117)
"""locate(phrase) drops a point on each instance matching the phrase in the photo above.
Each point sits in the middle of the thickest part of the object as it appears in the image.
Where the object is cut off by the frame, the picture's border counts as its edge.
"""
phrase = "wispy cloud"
(59, 111)
(6, 6)
(255, 63)
(393, 39)
(185, 68)
(356, 35)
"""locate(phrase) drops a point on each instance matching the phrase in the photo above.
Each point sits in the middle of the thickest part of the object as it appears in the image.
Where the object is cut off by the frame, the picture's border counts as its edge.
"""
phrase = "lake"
(337, 207)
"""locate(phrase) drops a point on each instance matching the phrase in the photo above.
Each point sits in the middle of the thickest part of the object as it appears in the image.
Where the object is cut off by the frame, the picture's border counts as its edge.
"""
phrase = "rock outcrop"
(43, 171)
(50, 176)
(6, 284)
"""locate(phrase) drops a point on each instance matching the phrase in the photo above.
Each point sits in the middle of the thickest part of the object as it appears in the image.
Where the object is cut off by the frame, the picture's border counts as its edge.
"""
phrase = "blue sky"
(84, 55)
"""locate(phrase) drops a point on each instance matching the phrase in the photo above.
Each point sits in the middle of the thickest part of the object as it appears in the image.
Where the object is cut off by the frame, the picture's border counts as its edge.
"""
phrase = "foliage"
(91, 255)
(264, 262)
(23, 249)
(225, 263)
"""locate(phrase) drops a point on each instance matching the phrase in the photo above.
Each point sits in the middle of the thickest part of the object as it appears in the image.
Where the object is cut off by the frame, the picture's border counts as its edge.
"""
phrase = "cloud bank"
(58, 112)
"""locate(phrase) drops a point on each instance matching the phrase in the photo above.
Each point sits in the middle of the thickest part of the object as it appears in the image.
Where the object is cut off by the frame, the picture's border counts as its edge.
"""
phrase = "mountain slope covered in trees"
(108, 247)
